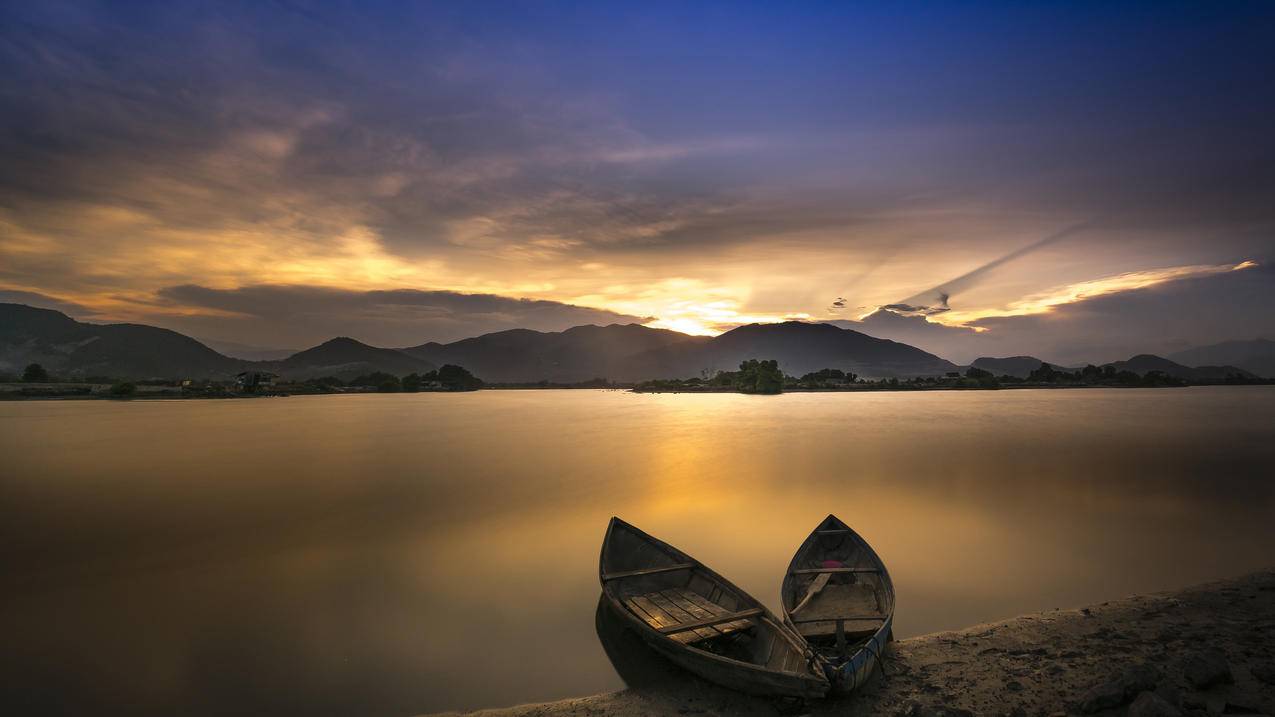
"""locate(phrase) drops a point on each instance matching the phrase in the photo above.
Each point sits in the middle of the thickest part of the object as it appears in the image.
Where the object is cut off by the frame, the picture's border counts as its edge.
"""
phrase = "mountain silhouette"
(346, 358)
(1019, 366)
(1256, 356)
(622, 353)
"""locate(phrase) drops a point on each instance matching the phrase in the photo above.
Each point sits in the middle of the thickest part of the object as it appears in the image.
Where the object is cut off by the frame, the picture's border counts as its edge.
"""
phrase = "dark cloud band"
(269, 315)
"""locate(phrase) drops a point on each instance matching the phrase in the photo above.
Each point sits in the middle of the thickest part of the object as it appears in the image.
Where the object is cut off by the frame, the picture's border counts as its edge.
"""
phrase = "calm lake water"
(400, 554)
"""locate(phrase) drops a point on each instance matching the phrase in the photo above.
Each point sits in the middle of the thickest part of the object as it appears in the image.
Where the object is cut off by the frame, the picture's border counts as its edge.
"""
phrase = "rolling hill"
(1256, 356)
(346, 358)
(1018, 366)
(800, 348)
(72, 348)
(630, 352)
(577, 354)
(1143, 363)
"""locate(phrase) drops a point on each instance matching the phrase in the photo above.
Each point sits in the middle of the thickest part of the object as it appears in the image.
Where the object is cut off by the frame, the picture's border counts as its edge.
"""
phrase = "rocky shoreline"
(1208, 649)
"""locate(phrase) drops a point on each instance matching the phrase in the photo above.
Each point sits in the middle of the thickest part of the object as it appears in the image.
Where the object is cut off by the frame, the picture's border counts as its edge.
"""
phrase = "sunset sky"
(1077, 181)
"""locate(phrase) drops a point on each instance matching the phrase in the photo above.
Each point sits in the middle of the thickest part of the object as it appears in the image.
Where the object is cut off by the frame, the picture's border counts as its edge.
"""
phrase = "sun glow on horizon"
(716, 318)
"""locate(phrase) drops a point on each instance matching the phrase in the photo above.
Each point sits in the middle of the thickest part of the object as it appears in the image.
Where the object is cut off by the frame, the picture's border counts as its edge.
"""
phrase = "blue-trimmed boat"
(838, 596)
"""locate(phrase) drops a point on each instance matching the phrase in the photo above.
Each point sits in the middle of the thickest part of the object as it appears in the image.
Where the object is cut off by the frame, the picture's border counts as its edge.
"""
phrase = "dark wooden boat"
(702, 622)
(838, 596)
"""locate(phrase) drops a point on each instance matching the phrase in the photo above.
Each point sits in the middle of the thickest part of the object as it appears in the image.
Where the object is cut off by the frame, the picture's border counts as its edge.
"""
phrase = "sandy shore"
(1208, 649)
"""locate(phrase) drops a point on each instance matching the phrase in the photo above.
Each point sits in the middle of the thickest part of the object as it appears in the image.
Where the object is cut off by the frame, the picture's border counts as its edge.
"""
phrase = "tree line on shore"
(765, 377)
(445, 378)
(754, 376)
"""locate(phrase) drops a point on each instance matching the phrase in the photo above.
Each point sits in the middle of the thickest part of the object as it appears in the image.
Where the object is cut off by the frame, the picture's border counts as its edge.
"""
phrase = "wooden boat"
(838, 596)
(700, 621)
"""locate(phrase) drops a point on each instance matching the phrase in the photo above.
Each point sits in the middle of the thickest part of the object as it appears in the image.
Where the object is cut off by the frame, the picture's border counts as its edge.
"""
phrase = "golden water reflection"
(411, 553)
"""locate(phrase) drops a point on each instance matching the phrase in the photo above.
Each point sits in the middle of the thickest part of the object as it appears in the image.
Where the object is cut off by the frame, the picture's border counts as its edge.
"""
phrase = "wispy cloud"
(936, 300)
(1047, 301)
(1159, 311)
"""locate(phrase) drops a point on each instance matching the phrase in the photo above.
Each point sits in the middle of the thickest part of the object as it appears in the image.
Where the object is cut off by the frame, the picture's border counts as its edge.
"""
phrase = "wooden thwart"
(711, 621)
(843, 618)
(647, 571)
(816, 571)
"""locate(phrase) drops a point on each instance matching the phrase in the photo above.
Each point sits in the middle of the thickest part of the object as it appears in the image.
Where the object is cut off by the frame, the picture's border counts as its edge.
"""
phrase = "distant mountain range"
(1022, 366)
(1256, 356)
(634, 353)
(621, 353)
(1143, 363)
(66, 346)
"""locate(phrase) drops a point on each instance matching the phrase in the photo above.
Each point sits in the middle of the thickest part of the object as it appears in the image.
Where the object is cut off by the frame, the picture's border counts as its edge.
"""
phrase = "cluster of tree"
(35, 373)
(446, 378)
(1045, 375)
(823, 378)
(753, 376)
(1098, 376)
(972, 378)
(759, 377)
(765, 377)
(675, 384)
(981, 377)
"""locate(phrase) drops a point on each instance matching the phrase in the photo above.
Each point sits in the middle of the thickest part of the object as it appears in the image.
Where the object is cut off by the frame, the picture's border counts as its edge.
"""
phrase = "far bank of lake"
(72, 392)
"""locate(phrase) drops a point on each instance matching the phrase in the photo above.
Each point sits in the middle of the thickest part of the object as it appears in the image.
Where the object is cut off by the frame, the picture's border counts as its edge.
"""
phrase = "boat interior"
(677, 598)
(836, 593)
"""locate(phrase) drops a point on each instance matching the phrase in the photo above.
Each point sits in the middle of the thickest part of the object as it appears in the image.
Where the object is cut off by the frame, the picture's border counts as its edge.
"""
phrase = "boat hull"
(741, 678)
(854, 673)
(702, 622)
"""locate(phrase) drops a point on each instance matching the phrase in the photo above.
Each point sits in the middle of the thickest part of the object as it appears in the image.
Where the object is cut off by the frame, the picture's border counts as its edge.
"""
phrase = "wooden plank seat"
(712, 621)
(848, 618)
(820, 571)
(687, 616)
